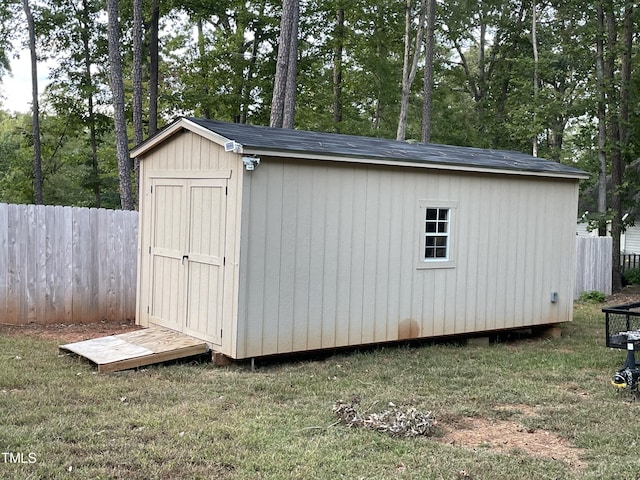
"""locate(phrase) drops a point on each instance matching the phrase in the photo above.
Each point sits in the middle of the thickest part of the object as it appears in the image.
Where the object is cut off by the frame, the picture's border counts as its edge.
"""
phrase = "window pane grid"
(436, 245)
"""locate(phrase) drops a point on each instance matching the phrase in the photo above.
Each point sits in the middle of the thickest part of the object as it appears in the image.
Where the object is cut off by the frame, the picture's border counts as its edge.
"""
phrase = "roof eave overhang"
(408, 163)
(173, 129)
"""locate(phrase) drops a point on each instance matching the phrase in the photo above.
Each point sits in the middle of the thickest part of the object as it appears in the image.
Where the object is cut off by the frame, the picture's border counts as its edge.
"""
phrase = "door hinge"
(151, 188)
(149, 248)
(226, 190)
(224, 261)
(148, 309)
(220, 333)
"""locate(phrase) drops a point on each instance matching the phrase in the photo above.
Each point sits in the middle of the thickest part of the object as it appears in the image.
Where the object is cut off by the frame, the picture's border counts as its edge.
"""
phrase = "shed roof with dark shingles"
(253, 137)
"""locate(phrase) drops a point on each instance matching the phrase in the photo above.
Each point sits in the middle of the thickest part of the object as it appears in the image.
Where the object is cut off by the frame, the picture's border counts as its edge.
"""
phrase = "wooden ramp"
(136, 349)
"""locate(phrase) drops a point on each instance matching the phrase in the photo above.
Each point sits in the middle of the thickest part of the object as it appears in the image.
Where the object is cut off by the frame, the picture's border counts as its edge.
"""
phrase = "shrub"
(631, 276)
(593, 296)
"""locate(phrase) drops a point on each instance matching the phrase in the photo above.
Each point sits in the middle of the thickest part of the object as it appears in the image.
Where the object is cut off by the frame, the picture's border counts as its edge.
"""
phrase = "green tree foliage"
(9, 14)
(78, 90)
(218, 60)
(64, 169)
(16, 159)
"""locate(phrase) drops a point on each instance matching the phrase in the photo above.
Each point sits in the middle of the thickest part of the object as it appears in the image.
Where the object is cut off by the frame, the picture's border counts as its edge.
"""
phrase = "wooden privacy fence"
(66, 264)
(593, 265)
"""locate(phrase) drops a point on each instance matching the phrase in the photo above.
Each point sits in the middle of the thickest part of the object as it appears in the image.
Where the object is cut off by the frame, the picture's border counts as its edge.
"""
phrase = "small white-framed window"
(436, 225)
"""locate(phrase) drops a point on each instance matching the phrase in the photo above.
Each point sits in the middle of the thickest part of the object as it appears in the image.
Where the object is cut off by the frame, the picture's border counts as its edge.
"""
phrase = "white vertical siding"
(329, 255)
(582, 230)
(631, 242)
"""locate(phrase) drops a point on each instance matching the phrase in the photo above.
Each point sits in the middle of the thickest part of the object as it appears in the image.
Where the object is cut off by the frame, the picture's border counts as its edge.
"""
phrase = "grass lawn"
(521, 409)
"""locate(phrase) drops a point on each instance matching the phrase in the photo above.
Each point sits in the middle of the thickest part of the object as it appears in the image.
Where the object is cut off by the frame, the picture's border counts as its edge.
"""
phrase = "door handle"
(184, 257)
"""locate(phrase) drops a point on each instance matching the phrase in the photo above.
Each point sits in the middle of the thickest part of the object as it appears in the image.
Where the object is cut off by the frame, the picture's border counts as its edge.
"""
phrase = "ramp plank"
(136, 349)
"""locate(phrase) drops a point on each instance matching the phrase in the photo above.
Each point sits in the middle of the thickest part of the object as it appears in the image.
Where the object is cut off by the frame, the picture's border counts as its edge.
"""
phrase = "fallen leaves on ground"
(395, 421)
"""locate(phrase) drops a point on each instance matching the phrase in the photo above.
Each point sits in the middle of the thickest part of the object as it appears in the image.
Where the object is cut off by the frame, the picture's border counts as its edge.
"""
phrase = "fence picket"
(66, 264)
(66, 274)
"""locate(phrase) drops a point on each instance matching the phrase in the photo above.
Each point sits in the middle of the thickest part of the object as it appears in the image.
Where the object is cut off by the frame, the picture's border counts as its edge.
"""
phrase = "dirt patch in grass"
(65, 333)
(505, 436)
(629, 294)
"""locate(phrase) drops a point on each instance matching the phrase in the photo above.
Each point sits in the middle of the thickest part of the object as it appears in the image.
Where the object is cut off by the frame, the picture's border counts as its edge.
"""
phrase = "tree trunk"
(402, 120)
(377, 116)
(602, 120)
(281, 87)
(292, 70)
(625, 75)
(617, 166)
(536, 79)
(154, 65)
(481, 52)
(138, 131)
(117, 89)
(337, 70)
(206, 112)
(556, 137)
(618, 161)
(88, 78)
(427, 84)
(410, 66)
(35, 108)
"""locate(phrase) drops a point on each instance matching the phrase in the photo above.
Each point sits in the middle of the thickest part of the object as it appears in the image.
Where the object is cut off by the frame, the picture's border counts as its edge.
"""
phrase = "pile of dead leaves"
(395, 421)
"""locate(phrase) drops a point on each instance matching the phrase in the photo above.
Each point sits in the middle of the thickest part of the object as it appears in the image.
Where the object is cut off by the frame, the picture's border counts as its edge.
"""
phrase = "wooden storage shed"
(266, 241)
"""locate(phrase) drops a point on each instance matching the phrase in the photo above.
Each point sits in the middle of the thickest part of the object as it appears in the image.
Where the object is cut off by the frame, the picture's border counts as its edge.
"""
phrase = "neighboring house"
(582, 230)
(631, 240)
(267, 241)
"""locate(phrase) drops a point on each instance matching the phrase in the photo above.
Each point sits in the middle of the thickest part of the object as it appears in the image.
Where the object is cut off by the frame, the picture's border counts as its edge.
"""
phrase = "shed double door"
(187, 255)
